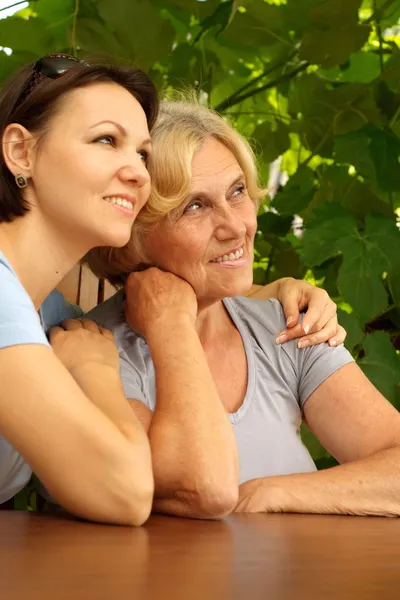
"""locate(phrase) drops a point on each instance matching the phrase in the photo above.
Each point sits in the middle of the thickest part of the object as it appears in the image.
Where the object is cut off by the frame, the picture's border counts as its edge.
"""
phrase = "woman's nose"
(229, 224)
(135, 172)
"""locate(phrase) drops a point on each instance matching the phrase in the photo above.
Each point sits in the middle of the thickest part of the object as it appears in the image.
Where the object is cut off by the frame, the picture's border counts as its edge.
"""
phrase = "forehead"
(214, 164)
(86, 106)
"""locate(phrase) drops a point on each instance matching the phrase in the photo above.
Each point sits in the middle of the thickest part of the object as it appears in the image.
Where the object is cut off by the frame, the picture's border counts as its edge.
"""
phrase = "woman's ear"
(17, 146)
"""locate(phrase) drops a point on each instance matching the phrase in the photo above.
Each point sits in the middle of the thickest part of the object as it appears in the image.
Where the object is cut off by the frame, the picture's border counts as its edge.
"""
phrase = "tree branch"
(12, 5)
(378, 13)
(228, 103)
(265, 73)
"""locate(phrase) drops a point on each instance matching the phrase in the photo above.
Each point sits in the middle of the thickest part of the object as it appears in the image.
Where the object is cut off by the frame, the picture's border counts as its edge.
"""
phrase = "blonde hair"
(180, 130)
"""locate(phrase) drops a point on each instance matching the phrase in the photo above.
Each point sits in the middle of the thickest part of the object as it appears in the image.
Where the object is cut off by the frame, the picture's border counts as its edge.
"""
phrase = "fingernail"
(303, 344)
(288, 321)
(281, 339)
(332, 342)
(306, 329)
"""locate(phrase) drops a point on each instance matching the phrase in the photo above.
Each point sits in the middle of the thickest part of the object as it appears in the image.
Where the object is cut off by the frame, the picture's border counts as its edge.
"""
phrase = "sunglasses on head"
(51, 66)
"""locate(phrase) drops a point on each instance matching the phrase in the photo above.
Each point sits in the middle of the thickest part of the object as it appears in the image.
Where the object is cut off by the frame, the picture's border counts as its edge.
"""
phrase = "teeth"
(231, 256)
(119, 202)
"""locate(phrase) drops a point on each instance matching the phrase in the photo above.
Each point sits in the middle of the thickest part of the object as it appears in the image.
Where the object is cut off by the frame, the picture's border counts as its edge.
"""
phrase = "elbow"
(211, 502)
(133, 493)
(120, 493)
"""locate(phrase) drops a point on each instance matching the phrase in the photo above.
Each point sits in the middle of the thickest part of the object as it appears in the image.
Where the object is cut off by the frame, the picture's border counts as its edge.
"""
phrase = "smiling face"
(209, 242)
(89, 176)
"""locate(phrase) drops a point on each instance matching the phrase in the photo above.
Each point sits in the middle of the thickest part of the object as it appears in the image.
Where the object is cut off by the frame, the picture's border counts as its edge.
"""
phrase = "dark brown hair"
(35, 110)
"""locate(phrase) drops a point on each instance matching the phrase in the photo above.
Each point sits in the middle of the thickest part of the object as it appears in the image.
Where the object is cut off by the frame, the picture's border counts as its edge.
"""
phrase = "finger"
(106, 333)
(339, 336)
(71, 324)
(54, 332)
(290, 334)
(320, 311)
(290, 300)
(318, 337)
(90, 325)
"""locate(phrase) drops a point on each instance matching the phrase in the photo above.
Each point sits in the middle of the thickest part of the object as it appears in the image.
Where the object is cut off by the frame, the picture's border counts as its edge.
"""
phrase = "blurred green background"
(315, 85)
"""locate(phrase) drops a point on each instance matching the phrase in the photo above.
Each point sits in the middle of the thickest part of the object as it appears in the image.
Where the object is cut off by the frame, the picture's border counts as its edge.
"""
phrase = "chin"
(116, 237)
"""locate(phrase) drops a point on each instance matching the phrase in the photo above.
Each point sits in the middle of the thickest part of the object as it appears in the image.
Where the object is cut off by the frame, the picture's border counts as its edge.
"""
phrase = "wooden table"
(251, 557)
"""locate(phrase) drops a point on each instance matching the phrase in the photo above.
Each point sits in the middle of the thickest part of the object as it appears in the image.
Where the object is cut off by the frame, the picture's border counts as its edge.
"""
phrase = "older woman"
(220, 400)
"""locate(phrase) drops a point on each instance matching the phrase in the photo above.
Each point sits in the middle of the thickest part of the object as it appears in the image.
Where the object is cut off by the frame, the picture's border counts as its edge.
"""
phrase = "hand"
(319, 322)
(154, 296)
(259, 495)
(80, 342)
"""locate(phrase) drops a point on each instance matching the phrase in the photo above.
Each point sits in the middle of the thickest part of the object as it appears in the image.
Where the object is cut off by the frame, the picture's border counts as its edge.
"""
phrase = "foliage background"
(316, 85)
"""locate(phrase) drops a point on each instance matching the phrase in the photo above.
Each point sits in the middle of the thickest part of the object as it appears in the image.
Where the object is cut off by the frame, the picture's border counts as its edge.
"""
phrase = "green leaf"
(95, 38)
(323, 235)
(394, 285)
(363, 67)
(385, 152)
(365, 258)
(143, 45)
(271, 223)
(353, 148)
(272, 138)
(322, 47)
(355, 334)
(381, 365)
(26, 35)
(296, 194)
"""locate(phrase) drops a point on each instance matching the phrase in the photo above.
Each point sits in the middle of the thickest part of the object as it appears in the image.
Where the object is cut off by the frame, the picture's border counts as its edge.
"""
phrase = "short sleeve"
(55, 309)
(131, 380)
(316, 364)
(19, 321)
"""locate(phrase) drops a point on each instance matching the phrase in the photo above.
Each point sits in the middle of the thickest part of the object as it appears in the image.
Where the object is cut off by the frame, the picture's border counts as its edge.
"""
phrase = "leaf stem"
(379, 36)
(12, 5)
(255, 80)
(74, 22)
(271, 84)
(378, 12)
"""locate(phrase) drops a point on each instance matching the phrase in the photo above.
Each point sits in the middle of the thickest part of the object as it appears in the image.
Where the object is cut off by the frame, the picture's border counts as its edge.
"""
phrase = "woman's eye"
(108, 140)
(144, 155)
(193, 207)
(239, 191)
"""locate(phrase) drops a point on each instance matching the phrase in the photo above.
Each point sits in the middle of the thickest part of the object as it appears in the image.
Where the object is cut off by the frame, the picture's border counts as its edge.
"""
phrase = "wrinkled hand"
(259, 495)
(319, 323)
(80, 342)
(154, 297)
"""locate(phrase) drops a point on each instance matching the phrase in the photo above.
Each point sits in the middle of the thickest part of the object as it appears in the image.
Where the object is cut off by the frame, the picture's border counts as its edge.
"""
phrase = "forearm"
(370, 486)
(194, 450)
(103, 386)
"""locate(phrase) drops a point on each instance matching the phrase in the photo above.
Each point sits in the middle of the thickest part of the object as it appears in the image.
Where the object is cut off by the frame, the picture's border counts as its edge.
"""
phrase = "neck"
(212, 320)
(40, 254)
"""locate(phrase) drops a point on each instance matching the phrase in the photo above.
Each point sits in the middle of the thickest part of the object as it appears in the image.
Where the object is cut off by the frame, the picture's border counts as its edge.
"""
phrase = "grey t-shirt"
(280, 380)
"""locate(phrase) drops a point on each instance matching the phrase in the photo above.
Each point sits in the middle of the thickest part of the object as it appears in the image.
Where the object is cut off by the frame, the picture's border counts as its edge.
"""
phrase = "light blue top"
(20, 324)
(280, 380)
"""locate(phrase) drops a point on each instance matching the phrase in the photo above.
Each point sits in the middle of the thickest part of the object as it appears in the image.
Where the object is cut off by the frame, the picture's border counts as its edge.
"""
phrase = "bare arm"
(193, 447)
(93, 460)
(362, 430)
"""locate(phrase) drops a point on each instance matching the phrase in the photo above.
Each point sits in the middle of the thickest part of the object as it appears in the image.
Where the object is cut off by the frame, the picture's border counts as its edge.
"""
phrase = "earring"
(21, 180)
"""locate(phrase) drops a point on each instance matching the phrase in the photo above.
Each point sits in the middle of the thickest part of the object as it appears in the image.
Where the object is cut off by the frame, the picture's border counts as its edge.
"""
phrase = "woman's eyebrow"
(117, 125)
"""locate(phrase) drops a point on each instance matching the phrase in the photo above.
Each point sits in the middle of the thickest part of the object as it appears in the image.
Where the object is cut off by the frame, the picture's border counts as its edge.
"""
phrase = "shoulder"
(19, 321)
(110, 314)
(267, 314)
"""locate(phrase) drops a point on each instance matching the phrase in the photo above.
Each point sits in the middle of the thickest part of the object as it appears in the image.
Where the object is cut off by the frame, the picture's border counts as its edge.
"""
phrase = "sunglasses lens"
(55, 65)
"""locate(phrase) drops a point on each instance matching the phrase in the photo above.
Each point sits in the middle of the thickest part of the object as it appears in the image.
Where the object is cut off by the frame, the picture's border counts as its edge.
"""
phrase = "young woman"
(75, 141)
